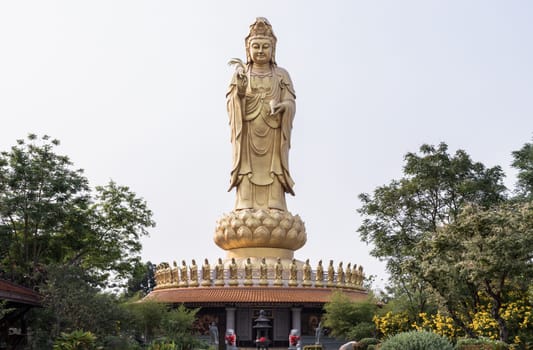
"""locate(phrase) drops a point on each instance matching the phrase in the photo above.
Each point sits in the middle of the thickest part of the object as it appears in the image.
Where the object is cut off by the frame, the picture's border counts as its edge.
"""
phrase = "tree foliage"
(50, 216)
(70, 303)
(348, 319)
(483, 258)
(451, 236)
(523, 161)
(142, 279)
(398, 216)
(157, 323)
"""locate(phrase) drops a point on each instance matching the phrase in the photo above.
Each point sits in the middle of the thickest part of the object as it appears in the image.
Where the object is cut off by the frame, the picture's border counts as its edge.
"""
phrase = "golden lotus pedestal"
(258, 233)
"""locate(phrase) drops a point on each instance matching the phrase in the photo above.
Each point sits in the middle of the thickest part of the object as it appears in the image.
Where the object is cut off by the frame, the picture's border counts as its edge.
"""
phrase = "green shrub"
(76, 340)
(362, 330)
(480, 344)
(163, 346)
(416, 340)
(120, 343)
(364, 344)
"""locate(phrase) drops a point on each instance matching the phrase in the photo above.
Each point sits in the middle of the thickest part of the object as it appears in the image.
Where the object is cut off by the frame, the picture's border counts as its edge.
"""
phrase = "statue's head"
(261, 32)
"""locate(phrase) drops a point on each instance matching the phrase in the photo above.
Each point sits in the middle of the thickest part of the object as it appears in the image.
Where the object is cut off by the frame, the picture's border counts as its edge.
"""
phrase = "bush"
(362, 330)
(364, 344)
(480, 344)
(120, 343)
(417, 340)
(163, 346)
(348, 319)
(76, 340)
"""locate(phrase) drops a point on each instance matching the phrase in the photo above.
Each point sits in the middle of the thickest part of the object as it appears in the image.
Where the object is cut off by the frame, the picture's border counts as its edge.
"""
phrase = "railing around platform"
(259, 273)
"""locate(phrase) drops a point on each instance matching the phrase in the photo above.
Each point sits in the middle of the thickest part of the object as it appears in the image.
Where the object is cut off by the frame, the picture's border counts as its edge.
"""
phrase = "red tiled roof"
(225, 295)
(13, 292)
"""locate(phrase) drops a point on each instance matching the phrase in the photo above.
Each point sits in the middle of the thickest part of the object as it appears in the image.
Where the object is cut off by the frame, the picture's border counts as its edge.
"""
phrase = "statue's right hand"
(242, 81)
(240, 72)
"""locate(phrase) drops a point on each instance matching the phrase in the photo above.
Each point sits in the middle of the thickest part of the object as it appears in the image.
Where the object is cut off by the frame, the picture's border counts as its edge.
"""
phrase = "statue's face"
(261, 51)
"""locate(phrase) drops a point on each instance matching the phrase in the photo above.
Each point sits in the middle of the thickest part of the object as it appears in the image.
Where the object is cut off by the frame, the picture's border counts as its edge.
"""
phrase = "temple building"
(260, 235)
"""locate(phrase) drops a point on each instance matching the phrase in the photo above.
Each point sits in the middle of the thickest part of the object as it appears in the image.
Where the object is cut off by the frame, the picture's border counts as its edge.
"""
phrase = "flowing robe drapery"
(261, 140)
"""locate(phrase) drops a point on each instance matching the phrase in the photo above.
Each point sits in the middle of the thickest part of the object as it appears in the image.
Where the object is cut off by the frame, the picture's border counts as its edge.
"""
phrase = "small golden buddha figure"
(340, 275)
(206, 274)
(319, 278)
(278, 273)
(360, 276)
(248, 273)
(184, 280)
(219, 273)
(233, 278)
(348, 275)
(263, 273)
(174, 274)
(307, 274)
(293, 277)
(354, 275)
(193, 271)
(331, 275)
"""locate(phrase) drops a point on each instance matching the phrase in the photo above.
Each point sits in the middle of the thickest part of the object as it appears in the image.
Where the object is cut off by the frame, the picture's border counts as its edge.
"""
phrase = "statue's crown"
(261, 28)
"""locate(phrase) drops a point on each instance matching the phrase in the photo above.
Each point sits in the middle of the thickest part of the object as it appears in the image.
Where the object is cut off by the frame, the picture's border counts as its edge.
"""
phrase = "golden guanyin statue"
(261, 108)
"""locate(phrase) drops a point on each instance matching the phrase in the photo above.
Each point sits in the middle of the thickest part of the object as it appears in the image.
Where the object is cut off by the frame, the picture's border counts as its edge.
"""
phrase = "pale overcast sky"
(135, 91)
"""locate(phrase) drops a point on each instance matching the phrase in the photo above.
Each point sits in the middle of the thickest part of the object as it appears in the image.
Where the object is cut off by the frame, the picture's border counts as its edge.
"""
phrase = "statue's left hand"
(276, 108)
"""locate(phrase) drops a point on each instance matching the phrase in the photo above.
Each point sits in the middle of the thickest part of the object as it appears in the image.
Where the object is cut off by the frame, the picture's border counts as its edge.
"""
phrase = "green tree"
(448, 227)
(348, 319)
(523, 161)
(155, 322)
(50, 216)
(71, 302)
(144, 318)
(430, 195)
(177, 326)
(142, 279)
(488, 250)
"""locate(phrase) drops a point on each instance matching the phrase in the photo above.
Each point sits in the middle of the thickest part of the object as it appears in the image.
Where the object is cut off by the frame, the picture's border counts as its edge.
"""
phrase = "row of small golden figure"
(173, 277)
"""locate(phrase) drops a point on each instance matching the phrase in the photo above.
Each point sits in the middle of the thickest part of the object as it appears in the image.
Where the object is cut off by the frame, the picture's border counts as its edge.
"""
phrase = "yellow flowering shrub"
(485, 325)
(517, 315)
(392, 323)
(437, 323)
